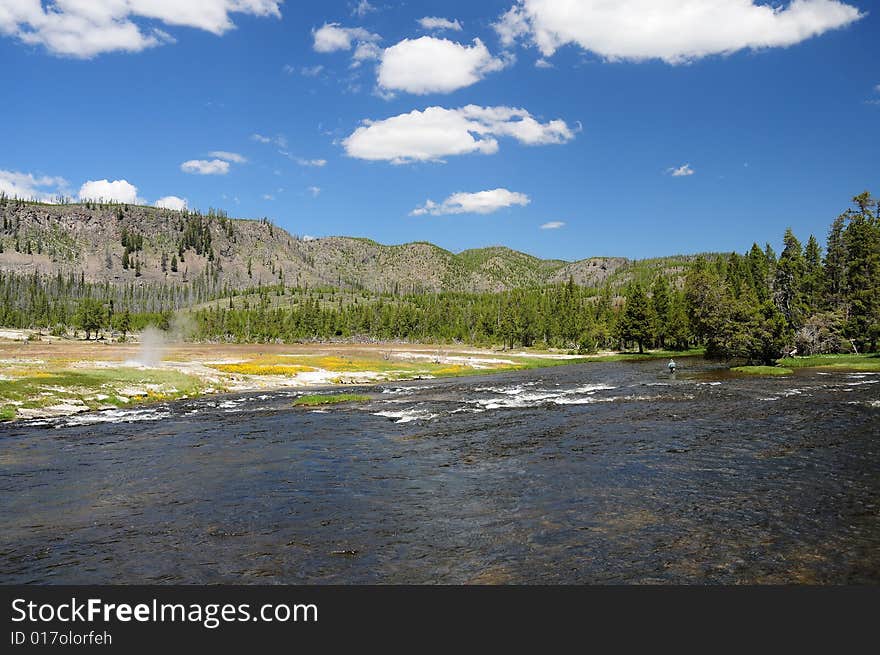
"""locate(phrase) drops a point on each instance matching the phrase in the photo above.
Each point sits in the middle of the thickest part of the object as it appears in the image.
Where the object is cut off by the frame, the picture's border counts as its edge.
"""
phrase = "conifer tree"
(661, 303)
(862, 290)
(637, 322)
(788, 287)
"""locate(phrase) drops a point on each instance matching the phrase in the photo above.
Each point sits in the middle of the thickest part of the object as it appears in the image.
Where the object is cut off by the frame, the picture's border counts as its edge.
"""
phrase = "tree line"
(755, 306)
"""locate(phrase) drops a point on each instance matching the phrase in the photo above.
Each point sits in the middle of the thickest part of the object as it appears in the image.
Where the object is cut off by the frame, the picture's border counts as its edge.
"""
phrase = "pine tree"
(788, 287)
(661, 303)
(814, 279)
(678, 331)
(835, 263)
(862, 291)
(636, 322)
(707, 302)
(759, 272)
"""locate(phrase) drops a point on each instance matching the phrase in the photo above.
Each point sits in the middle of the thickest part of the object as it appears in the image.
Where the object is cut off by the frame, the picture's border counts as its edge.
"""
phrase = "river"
(604, 473)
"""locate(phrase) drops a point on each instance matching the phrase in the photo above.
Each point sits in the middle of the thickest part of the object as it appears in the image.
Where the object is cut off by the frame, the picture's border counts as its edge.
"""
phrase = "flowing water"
(597, 473)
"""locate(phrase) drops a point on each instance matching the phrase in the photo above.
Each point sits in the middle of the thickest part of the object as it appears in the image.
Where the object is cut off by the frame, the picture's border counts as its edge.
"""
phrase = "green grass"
(868, 362)
(762, 370)
(314, 400)
(7, 413)
(35, 388)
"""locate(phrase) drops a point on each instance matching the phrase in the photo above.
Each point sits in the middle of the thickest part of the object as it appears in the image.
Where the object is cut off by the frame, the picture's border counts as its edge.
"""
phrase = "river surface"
(600, 473)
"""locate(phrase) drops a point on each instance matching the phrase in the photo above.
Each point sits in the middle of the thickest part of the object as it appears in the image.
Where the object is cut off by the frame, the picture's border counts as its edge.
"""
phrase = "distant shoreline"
(53, 377)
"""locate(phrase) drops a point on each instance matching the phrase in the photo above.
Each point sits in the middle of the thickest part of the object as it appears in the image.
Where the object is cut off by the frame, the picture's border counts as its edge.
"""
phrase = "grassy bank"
(61, 378)
(787, 365)
(762, 370)
(35, 391)
(868, 362)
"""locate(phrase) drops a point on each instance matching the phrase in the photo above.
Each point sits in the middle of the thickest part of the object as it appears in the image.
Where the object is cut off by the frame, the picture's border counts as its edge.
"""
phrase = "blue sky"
(582, 123)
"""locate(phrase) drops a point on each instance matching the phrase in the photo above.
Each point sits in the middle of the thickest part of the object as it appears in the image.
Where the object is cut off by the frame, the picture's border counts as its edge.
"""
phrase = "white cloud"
(171, 202)
(681, 171)
(511, 26)
(362, 8)
(434, 23)
(233, 157)
(205, 167)
(311, 162)
(332, 37)
(675, 31)
(280, 140)
(432, 65)
(268, 196)
(553, 225)
(314, 190)
(311, 71)
(482, 202)
(438, 132)
(365, 52)
(86, 28)
(27, 186)
(106, 191)
(543, 63)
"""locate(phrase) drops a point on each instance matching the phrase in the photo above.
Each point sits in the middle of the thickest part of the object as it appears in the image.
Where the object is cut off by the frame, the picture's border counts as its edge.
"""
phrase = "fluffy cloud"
(86, 28)
(482, 202)
(553, 225)
(432, 65)
(433, 23)
(314, 190)
(233, 157)
(681, 171)
(512, 25)
(106, 191)
(675, 31)
(333, 36)
(26, 186)
(438, 132)
(171, 202)
(219, 165)
(205, 167)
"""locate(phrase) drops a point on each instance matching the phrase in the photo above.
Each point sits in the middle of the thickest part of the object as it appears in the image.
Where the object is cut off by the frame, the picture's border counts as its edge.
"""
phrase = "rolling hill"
(129, 244)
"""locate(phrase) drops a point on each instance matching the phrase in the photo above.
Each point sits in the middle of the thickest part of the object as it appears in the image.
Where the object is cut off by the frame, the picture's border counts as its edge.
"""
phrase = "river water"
(596, 473)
